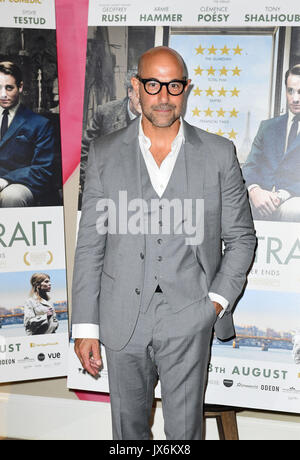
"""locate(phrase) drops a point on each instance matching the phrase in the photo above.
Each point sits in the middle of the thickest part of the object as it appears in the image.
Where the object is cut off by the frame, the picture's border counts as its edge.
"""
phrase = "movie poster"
(237, 56)
(33, 298)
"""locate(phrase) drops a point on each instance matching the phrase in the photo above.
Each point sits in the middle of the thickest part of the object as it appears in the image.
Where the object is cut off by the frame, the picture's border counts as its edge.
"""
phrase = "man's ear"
(21, 87)
(188, 84)
(136, 86)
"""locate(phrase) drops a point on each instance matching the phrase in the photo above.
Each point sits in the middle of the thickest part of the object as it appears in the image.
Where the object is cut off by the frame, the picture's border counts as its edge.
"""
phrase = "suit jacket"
(268, 164)
(108, 118)
(27, 151)
(108, 266)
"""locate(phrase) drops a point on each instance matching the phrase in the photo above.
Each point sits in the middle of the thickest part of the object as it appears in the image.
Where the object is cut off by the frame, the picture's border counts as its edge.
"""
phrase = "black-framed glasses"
(153, 86)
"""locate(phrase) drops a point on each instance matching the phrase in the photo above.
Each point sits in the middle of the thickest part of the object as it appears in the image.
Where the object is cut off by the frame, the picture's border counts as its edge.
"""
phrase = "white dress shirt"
(11, 113)
(159, 177)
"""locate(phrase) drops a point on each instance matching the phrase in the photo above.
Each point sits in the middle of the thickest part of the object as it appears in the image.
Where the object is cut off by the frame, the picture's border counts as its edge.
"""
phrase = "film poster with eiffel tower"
(237, 56)
(242, 89)
(33, 298)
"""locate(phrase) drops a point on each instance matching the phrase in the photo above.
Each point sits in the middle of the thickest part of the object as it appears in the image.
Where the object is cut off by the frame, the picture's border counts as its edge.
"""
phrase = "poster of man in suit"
(30, 157)
(32, 237)
(272, 169)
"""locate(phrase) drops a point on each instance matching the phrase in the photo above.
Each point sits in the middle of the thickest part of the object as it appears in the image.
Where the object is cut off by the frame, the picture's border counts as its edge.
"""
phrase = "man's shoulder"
(114, 138)
(32, 116)
(112, 108)
(210, 139)
(274, 122)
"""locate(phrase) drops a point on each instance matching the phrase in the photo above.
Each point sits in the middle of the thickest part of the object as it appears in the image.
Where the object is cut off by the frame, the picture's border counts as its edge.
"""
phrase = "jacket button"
(142, 256)
(137, 291)
(159, 258)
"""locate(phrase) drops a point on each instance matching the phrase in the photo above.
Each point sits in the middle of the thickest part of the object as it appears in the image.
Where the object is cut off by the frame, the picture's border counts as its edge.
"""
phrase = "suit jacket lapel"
(294, 146)
(131, 158)
(195, 162)
(18, 121)
(131, 169)
(280, 136)
(195, 166)
(130, 161)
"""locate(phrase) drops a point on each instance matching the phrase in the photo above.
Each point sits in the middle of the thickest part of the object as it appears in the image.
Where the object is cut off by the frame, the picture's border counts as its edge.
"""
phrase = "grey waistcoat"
(168, 261)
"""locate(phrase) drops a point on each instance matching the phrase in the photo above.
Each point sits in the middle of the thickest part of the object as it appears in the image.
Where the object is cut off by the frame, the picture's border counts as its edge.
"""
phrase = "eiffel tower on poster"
(245, 147)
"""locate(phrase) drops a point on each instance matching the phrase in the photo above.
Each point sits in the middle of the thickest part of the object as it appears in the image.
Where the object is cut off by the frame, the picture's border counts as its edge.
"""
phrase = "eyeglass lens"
(174, 87)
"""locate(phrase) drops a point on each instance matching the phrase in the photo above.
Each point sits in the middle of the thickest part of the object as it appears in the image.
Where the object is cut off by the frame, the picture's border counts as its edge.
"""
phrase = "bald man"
(150, 279)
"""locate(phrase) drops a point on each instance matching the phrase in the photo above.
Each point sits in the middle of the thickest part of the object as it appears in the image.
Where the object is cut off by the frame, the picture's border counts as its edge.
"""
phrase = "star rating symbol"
(200, 50)
(198, 71)
(197, 91)
(212, 50)
(224, 71)
(234, 92)
(196, 112)
(221, 112)
(225, 50)
(236, 71)
(234, 113)
(222, 91)
(238, 50)
(220, 133)
(209, 91)
(232, 134)
(211, 71)
(208, 112)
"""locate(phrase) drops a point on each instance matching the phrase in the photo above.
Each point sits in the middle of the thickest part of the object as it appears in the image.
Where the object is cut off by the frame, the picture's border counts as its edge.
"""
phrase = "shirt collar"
(291, 116)
(145, 141)
(131, 115)
(12, 110)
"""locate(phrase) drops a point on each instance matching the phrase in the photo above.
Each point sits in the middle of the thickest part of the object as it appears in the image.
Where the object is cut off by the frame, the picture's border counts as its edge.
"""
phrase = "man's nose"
(163, 94)
(3, 93)
(296, 96)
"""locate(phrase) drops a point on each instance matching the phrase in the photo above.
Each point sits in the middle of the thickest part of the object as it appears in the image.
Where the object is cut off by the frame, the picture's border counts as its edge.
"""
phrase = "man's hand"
(3, 184)
(88, 352)
(264, 201)
(218, 307)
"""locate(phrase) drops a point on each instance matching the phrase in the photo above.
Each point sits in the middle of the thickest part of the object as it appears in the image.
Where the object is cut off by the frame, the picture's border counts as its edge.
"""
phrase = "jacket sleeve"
(31, 320)
(252, 169)
(237, 234)
(90, 249)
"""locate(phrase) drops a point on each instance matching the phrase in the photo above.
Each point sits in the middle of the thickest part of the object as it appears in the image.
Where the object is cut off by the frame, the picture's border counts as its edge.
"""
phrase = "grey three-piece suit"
(148, 333)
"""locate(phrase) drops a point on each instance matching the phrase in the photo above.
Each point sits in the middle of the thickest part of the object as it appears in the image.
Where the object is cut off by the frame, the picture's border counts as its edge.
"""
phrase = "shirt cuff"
(283, 195)
(85, 331)
(252, 186)
(221, 300)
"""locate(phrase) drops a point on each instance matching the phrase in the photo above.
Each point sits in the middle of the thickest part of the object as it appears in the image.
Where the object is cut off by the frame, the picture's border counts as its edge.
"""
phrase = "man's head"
(134, 103)
(292, 82)
(11, 84)
(161, 104)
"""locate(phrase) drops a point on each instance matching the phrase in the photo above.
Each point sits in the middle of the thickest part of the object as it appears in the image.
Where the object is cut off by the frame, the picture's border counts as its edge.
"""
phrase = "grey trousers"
(174, 347)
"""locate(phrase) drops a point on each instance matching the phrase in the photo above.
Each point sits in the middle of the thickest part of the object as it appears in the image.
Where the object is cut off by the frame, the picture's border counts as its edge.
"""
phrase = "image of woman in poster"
(296, 346)
(39, 313)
